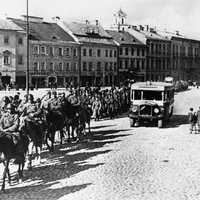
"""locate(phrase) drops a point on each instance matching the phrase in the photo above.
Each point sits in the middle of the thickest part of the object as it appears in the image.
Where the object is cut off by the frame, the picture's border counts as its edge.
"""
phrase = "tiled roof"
(123, 37)
(171, 35)
(87, 33)
(82, 29)
(44, 31)
(6, 24)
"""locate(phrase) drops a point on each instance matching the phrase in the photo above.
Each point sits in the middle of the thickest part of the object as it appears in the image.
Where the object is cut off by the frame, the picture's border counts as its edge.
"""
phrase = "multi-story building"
(54, 56)
(98, 53)
(158, 52)
(185, 56)
(131, 56)
(12, 38)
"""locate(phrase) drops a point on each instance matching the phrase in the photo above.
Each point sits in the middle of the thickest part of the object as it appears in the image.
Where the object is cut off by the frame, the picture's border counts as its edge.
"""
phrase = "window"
(84, 66)
(138, 52)
(120, 64)
(126, 64)
(115, 66)
(132, 51)
(20, 41)
(90, 52)
(137, 95)
(143, 52)
(106, 66)
(98, 66)
(67, 51)
(51, 51)
(111, 66)
(120, 51)
(43, 66)
(75, 52)
(43, 50)
(75, 67)
(51, 67)
(6, 40)
(20, 60)
(126, 51)
(60, 51)
(111, 53)
(6, 60)
(115, 54)
(36, 49)
(106, 53)
(90, 66)
(67, 66)
(60, 66)
(152, 95)
(84, 52)
(35, 66)
(99, 52)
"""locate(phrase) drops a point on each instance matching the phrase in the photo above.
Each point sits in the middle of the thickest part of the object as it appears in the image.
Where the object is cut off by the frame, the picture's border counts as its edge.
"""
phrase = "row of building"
(85, 53)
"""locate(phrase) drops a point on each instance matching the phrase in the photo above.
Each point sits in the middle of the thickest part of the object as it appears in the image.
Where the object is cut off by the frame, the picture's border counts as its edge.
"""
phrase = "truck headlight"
(134, 108)
(156, 110)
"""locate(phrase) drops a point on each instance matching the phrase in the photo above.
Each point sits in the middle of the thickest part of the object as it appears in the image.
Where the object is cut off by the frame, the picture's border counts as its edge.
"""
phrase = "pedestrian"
(192, 120)
(198, 120)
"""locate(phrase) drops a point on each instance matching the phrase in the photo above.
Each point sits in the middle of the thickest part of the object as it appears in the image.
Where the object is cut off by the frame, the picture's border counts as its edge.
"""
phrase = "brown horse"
(10, 151)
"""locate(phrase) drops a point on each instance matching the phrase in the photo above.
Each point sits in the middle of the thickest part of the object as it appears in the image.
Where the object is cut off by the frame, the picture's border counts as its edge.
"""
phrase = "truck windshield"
(152, 95)
(137, 94)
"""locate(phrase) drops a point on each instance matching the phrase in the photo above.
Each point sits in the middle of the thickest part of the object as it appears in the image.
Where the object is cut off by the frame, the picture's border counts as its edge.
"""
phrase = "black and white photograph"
(99, 100)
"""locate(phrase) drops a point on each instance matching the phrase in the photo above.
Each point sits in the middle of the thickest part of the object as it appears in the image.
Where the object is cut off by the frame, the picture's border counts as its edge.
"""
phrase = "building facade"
(131, 56)
(53, 55)
(98, 54)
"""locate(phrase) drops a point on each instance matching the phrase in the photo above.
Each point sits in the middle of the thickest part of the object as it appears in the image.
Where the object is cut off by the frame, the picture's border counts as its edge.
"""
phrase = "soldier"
(96, 107)
(9, 123)
(198, 120)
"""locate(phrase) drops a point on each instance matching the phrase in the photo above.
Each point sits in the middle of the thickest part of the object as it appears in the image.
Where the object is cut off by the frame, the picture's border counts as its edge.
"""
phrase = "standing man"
(192, 120)
(198, 120)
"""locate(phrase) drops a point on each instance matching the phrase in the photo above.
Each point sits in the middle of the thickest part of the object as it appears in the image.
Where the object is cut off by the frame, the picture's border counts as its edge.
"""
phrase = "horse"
(35, 133)
(9, 151)
(56, 121)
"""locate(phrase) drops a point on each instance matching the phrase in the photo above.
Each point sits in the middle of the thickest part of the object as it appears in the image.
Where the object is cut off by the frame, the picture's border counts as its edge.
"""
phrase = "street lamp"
(27, 39)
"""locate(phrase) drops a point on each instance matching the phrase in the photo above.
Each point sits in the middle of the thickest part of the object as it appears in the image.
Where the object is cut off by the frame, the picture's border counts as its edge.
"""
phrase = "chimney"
(147, 27)
(177, 33)
(141, 28)
(86, 21)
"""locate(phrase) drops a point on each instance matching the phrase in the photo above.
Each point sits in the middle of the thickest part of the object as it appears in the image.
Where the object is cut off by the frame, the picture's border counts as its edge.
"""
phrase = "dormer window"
(54, 37)
(122, 39)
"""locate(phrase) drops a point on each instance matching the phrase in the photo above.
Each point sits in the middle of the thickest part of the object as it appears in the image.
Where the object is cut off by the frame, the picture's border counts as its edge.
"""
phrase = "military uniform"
(9, 124)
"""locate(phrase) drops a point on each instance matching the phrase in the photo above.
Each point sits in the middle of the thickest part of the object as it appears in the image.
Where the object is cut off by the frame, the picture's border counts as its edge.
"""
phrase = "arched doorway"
(52, 81)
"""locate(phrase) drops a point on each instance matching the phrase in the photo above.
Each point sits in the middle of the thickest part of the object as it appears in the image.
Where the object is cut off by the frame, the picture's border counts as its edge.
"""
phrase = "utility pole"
(27, 40)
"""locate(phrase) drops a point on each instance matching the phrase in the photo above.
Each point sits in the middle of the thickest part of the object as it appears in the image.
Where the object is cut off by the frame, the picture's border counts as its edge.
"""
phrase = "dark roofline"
(92, 35)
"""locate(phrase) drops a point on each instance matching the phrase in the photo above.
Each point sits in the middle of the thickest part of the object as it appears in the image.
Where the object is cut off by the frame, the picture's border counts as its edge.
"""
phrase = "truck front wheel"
(132, 122)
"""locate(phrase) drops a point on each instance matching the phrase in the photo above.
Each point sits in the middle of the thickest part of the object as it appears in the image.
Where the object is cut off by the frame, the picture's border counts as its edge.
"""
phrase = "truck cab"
(151, 101)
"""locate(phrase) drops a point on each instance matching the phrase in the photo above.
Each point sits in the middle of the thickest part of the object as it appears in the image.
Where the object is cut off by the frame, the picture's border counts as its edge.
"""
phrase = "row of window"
(100, 66)
(99, 52)
(159, 48)
(6, 40)
(53, 51)
(66, 66)
(131, 51)
(155, 64)
(134, 63)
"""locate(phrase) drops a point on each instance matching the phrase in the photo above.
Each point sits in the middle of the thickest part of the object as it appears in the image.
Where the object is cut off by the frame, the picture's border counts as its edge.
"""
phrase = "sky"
(182, 15)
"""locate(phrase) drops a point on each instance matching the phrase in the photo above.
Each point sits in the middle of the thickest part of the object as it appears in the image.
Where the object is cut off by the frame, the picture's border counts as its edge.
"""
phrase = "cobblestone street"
(120, 162)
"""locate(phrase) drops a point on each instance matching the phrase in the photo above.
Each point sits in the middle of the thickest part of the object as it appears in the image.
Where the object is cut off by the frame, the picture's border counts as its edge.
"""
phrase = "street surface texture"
(121, 163)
